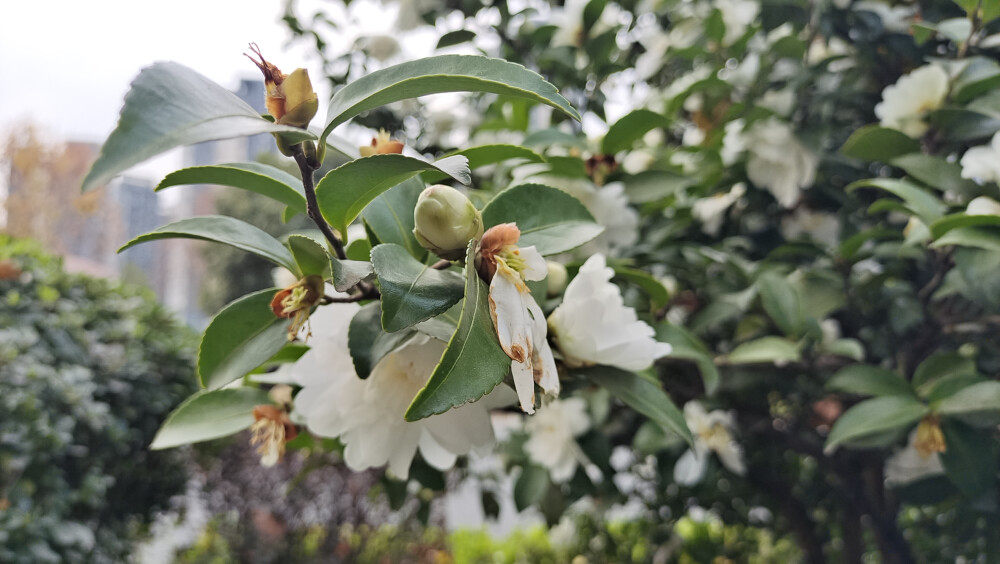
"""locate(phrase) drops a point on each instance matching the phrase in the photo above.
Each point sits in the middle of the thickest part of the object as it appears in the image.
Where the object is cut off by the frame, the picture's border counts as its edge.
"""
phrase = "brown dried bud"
(494, 241)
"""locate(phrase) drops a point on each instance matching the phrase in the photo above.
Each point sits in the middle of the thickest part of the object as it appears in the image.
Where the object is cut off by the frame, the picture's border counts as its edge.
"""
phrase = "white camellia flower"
(519, 322)
(734, 143)
(737, 15)
(711, 211)
(367, 414)
(821, 227)
(909, 464)
(904, 105)
(712, 433)
(778, 161)
(983, 163)
(593, 325)
(552, 436)
(983, 205)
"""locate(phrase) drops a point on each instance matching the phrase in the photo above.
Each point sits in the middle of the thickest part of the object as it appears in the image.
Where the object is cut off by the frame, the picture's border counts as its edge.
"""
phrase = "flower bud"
(556, 278)
(445, 221)
(290, 99)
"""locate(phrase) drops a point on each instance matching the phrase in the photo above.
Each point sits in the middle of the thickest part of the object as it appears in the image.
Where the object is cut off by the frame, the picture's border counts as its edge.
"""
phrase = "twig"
(308, 171)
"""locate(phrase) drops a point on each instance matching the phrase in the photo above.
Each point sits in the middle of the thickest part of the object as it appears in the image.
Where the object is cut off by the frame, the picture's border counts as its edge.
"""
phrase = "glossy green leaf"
(936, 173)
(256, 177)
(765, 350)
(530, 487)
(630, 128)
(241, 337)
(977, 398)
(655, 185)
(445, 73)
(390, 216)
(963, 124)
(368, 342)
(484, 155)
(642, 395)
(348, 273)
(943, 365)
(170, 105)
(687, 346)
(657, 293)
(311, 257)
(209, 415)
(980, 75)
(473, 363)
(875, 416)
(970, 460)
(455, 38)
(442, 326)
(976, 237)
(876, 143)
(226, 230)
(927, 206)
(411, 290)
(781, 302)
(959, 220)
(550, 219)
(868, 380)
(346, 190)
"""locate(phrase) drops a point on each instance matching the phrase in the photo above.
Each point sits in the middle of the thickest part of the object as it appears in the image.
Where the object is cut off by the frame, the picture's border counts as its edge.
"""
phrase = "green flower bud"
(556, 278)
(445, 221)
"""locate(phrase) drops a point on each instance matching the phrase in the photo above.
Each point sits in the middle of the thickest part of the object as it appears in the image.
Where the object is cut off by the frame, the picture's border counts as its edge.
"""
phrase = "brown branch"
(308, 171)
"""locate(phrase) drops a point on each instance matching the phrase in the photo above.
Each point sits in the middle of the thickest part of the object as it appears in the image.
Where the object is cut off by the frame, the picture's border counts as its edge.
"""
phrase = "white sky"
(66, 64)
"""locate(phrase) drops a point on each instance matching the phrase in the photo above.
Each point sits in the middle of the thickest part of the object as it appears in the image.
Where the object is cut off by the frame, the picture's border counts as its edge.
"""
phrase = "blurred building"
(186, 270)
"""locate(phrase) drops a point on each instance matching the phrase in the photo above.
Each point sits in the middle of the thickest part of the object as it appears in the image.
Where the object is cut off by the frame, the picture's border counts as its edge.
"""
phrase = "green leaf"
(924, 204)
(552, 136)
(346, 190)
(642, 395)
(411, 290)
(241, 337)
(256, 177)
(658, 294)
(390, 216)
(876, 143)
(781, 302)
(981, 75)
(962, 124)
(455, 38)
(936, 173)
(226, 230)
(484, 155)
(311, 257)
(868, 380)
(850, 247)
(655, 185)
(444, 73)
(942, 365)
(960, 220)
(170, 105)
(348, 273)
(473, 363)
(531, 486)
(765, 349)
(630, 128)
(970, 460)
(550, 219)
(209, 415)
(687, 346)
(977, 398)
(875, 416)
(976, 237)
(368, 342)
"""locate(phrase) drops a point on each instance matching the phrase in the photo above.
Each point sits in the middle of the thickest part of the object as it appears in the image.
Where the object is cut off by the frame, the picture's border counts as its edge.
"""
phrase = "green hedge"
(88, 369)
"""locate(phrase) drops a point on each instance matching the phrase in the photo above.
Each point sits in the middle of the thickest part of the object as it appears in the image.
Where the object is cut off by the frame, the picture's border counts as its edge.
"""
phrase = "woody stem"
(312, 206)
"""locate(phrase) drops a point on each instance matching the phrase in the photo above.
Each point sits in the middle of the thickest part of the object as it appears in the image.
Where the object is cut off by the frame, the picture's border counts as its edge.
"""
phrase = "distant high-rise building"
(184, 264)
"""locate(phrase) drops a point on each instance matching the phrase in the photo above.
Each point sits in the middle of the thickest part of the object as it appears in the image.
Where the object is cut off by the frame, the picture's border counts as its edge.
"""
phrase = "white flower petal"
(690, 468)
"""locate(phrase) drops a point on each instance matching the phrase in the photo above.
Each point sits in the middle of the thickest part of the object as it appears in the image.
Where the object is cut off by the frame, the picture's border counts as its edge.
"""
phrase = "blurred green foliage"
(88, 369)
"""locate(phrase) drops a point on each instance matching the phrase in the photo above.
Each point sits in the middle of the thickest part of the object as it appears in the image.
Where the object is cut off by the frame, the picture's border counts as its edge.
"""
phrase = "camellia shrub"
(713, 257)
(88, 370)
